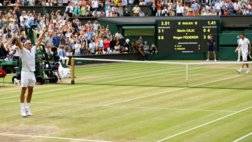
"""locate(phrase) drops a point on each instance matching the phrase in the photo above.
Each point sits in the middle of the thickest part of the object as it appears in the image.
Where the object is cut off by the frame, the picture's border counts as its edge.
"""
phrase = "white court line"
(214, 81)
(50, 137)
(243, 137)
(137, 107)
(143, 97)
(42, 92)
(185, 109)
(202, 125)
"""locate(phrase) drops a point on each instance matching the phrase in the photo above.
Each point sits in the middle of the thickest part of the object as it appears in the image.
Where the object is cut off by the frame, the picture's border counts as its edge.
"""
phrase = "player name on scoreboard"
(186, 36)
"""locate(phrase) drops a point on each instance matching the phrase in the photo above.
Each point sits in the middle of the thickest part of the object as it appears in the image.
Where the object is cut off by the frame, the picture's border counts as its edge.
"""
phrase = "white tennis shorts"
(244, 56)
(27, 79)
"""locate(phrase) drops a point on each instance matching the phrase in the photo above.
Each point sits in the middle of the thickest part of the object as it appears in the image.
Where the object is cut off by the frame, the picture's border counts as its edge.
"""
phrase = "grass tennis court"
(128, 102)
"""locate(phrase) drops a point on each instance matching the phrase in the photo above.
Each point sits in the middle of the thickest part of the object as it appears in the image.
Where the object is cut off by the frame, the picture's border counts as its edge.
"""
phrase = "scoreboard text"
(186, 36)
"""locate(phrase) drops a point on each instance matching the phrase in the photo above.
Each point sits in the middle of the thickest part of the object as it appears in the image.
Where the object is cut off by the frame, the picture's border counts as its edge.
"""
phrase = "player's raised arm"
(41, 37)
(18, 43)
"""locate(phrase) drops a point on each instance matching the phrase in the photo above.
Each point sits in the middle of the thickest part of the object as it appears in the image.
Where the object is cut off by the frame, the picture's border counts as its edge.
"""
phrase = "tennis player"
(28, 80)
(245, 47)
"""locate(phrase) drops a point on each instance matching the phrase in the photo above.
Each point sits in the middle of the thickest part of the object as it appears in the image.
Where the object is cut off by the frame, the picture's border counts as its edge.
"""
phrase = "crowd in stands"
(69, 37)
(114, 8)
(65, 36)
(194, 8)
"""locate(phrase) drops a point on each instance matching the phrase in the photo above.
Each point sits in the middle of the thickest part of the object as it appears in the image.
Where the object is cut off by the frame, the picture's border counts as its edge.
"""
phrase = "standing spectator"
(56, 39)
(95, 5)
(69, 9)
(179, 9)
(131, 2)
(124, 3)
(211, 48)
(76, 10)
(230, 8)
(195, 7)
(217, 7)
(65, 2)
(158, 8)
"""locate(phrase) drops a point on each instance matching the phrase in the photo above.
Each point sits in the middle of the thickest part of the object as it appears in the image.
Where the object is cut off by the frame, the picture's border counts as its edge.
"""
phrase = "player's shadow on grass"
(166, 86)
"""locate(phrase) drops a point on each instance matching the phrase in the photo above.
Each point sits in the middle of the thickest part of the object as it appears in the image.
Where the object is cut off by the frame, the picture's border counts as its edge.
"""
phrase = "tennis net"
(160, 73)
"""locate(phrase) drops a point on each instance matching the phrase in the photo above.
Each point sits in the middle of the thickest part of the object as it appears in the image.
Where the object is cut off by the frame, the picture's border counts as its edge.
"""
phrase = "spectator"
(127, 46)
(92, 48)
(179, 9)
(195, 7)
(217, 7)
(113, 8)
(3, 51)
(136, 10)
(106, 45)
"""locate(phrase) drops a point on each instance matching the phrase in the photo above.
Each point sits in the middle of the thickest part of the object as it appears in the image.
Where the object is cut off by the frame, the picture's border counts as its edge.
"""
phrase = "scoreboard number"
(185, 35)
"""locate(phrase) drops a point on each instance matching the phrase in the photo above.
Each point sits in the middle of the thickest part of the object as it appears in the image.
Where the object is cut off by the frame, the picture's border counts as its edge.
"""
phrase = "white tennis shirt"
(243, 44)
(28, 58)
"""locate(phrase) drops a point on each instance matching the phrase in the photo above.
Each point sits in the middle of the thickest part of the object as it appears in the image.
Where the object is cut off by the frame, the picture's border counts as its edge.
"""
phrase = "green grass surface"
(134, 103)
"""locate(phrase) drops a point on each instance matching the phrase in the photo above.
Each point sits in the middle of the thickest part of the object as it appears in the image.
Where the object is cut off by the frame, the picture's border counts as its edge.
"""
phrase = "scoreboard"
(186, 35)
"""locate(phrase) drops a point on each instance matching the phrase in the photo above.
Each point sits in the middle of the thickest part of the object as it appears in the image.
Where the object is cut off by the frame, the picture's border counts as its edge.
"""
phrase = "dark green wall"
(112, 26)
(228, 42)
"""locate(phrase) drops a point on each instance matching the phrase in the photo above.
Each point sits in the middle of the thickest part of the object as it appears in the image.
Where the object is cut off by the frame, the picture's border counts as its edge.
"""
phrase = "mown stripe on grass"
(204, 124)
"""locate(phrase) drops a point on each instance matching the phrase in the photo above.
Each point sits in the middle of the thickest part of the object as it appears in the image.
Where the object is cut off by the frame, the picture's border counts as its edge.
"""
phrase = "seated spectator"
(146, 48)
(117, 47)
(127, 46)
(106, 46)
(3, 51)
(92, 47)
(62, 54)
(136, 10)
(153, 49)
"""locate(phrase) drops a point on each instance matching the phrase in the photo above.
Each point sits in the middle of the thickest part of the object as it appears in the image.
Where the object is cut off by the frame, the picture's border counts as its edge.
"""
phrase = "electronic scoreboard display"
(186, 35)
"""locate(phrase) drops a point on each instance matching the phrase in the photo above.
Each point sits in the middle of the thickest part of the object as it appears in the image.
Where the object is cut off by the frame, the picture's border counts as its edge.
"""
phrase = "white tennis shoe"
(247, 71)
(23, 111)
(28, 110)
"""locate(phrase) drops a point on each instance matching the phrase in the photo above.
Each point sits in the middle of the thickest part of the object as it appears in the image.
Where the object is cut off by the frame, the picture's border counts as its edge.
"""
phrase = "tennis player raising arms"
(27, 52)
(245, 48)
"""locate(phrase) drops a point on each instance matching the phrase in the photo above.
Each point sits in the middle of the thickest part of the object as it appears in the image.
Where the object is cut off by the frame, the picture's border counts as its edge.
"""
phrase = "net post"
(72, 70)
(187, 75)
